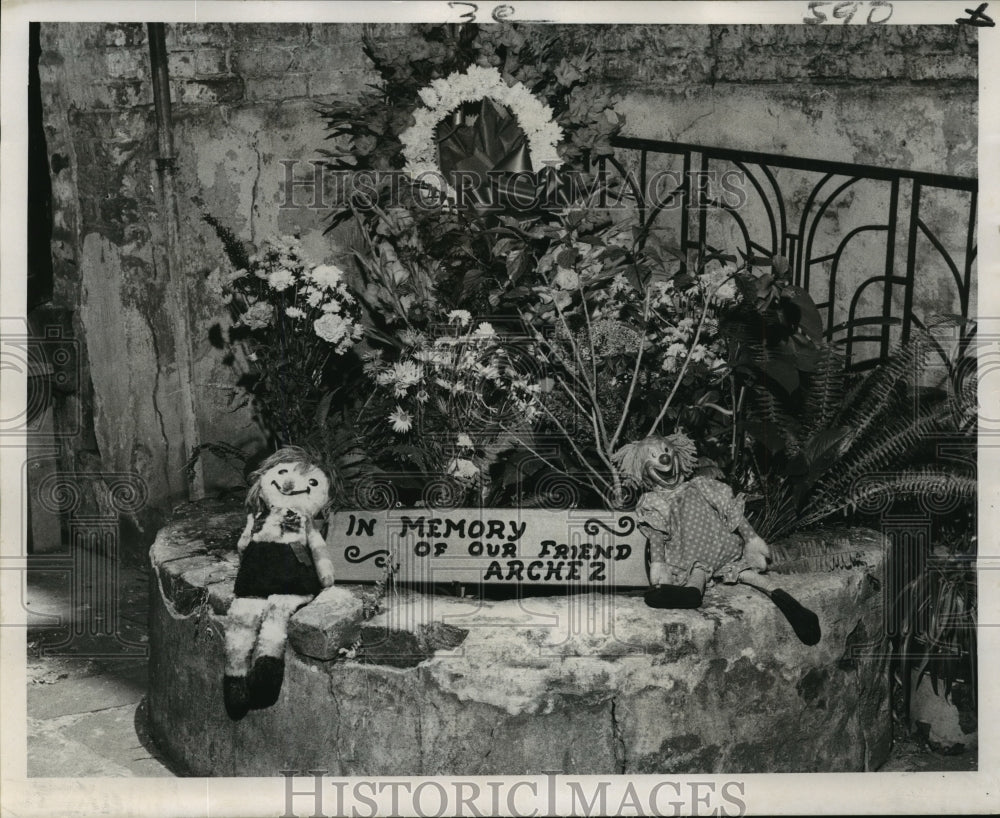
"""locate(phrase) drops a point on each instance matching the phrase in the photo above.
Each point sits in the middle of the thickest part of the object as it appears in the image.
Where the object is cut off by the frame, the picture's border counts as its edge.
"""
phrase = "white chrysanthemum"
(412, 338)
(327, 275)
(401, 420)
(280, 279)
(461, 317)
(294, 312)
(406, 374)
(484, 330)
(487, 372)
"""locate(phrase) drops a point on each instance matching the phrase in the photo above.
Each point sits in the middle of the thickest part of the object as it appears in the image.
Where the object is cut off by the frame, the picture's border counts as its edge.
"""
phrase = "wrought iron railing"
(931, 254)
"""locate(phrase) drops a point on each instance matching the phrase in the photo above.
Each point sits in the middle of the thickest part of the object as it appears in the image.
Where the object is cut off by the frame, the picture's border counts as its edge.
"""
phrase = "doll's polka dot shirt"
(692, 526)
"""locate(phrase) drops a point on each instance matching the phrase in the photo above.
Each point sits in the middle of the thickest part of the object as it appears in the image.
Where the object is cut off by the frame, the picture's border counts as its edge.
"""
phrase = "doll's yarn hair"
(632, 457)
(294, 456)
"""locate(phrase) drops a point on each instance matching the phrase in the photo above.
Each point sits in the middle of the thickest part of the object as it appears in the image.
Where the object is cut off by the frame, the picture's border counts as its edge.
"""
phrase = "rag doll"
(283, 565)
(697, 532)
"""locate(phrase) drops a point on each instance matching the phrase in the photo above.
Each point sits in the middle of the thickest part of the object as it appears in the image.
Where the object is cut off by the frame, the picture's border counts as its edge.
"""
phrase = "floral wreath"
(443, 96)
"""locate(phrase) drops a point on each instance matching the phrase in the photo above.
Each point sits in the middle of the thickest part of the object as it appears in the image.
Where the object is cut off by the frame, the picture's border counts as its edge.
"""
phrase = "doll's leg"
(803, 621)
(679, 596)
(242, 624)
(268, 667)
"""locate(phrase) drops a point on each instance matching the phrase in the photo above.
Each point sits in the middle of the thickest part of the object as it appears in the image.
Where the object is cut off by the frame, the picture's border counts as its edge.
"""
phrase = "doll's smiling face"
(295, 485)
(662, 468)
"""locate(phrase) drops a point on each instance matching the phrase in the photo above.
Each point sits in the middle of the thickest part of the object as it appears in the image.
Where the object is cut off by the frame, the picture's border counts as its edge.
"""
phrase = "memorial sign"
(492, 546)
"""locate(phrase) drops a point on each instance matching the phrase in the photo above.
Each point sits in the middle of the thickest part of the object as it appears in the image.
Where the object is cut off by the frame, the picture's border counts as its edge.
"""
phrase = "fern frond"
(815, 555)
(767, 409)
(344, 457)
(885, 444)
(876, 392)
(778, 516)
(934, 484)
(825, 394)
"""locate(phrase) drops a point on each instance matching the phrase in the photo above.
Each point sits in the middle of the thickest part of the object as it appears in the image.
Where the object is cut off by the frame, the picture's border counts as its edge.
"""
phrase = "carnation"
(333, 328)
(258, 316)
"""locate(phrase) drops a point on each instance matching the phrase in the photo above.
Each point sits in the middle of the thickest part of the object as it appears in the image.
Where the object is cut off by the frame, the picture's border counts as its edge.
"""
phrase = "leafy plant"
(849, 444)
(937, 613)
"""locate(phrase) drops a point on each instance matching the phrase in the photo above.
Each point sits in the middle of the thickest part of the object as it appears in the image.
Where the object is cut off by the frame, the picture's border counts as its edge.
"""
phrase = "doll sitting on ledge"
(697, 532)
(284, 563)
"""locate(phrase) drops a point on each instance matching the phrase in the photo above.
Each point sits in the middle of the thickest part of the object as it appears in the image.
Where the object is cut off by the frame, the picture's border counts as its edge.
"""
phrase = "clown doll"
(697, 532)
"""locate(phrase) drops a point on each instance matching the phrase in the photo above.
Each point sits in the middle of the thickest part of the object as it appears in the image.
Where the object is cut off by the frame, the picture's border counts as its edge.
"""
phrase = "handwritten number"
(500, 13)
(876, 5)
(819, 17)
(845, 12)
(469, 16)
(840, 13)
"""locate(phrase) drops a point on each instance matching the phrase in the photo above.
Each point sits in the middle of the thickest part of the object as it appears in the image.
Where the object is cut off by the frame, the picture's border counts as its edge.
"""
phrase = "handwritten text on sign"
(495, 546)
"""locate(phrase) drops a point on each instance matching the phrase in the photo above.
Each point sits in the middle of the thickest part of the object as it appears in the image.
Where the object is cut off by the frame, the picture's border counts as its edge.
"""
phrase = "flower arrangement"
(291, 320)
(539, 336)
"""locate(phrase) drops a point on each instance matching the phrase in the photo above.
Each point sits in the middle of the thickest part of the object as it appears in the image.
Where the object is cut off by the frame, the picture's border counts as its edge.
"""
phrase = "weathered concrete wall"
(244, 101)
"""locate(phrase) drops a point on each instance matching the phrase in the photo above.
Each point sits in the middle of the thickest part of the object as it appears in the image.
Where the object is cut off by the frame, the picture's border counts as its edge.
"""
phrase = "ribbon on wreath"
(488, 163)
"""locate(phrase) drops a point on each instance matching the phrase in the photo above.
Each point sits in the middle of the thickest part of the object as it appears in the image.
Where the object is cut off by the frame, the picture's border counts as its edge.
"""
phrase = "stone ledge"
(581, 682)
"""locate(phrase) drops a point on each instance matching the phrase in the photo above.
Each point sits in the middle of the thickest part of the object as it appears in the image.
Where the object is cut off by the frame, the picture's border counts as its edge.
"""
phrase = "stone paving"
(87, 677)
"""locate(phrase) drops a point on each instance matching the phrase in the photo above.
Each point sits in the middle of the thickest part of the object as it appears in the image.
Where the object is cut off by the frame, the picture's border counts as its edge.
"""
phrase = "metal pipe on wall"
(176, 287)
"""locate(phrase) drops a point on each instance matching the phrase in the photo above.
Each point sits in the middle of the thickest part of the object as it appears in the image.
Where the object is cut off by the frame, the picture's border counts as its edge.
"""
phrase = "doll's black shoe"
(236, 695)
(803, 621)
(265, 680)
(673, 596)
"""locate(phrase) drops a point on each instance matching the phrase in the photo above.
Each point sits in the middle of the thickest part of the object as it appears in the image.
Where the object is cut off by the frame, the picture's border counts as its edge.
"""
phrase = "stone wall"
(584, 683)
(244, 101)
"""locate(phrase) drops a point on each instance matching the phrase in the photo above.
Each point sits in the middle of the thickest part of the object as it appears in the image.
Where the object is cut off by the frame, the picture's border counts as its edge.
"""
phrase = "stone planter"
(583, 682)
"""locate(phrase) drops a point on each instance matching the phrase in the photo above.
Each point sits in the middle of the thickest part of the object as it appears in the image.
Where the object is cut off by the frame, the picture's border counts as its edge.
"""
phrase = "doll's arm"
(655, 526)
(755, 551)
(244, 539)
(321, 558)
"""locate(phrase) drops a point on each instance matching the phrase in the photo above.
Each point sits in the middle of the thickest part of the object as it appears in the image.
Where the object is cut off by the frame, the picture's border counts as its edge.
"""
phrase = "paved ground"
(87, 681)
(86, 688)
